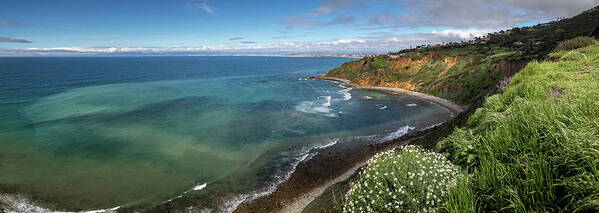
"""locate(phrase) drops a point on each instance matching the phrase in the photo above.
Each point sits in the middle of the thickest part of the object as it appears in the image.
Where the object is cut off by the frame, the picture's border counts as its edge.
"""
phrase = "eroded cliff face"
(460, 78)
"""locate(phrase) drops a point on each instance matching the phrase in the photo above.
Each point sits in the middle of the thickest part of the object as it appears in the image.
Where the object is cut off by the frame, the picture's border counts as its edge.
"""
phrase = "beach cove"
(210, 132)
(339, 162)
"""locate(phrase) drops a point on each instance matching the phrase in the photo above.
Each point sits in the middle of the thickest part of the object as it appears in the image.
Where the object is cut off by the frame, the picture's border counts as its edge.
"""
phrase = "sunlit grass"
(535, 147)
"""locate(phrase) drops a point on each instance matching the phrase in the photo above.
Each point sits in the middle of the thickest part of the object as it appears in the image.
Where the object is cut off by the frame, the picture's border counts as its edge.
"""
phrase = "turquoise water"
(98, 133)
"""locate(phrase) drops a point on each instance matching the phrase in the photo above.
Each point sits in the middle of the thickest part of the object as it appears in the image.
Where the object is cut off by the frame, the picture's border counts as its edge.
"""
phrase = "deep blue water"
(94, 133)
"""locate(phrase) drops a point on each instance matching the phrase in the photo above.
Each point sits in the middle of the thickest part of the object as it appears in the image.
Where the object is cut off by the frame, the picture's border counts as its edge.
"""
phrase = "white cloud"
(200, 4)
(467, 34)
(506, 13)
(449, 13)
(382, 43)
(9, 23)
(14, 40)
(329, 6)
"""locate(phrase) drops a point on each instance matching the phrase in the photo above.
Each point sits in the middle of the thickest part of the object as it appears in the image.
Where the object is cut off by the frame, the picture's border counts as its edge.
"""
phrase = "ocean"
(94, 133)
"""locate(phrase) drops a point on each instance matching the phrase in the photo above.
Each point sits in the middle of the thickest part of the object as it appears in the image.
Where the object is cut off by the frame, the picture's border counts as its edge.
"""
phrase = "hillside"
(462, 72)
(534, 147)
(530, 148)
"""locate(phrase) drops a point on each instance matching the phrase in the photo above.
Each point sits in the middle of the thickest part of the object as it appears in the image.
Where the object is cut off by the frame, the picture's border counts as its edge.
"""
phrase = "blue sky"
(109, 26)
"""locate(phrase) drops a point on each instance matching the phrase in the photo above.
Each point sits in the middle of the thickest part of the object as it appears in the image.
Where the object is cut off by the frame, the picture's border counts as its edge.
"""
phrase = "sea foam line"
(380, 138)
(195, 188)
(433, 126)
(234, 202)
(16, 203)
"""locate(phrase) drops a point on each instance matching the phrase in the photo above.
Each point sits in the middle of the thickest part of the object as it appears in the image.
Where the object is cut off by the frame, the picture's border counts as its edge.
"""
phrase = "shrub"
(411, 179)
(574, 56)
(575, 43)
(379, 63)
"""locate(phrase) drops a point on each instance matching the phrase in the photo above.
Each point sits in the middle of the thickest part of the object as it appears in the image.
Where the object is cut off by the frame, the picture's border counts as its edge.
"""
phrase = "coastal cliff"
(460, 78)
(463, 72)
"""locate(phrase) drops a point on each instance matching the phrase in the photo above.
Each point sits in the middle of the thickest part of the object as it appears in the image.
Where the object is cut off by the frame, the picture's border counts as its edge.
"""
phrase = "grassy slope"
(536, 146)
(462, 72)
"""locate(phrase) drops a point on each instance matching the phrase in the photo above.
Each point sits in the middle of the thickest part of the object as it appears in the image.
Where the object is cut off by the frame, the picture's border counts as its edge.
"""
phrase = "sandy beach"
(453, 107)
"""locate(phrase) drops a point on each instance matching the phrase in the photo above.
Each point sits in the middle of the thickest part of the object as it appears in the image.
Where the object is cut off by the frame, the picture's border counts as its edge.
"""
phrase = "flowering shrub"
(410, 179)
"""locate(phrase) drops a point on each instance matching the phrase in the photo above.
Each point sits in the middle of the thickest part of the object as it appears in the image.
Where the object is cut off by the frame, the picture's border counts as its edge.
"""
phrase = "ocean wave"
(397, 134)
(433, 126)
(331, 143)
(232, 203)
(16, 203)
(199, 187)
(301, 155)
(345, 93)
(328, 101)
(380, 138)
(322, 105)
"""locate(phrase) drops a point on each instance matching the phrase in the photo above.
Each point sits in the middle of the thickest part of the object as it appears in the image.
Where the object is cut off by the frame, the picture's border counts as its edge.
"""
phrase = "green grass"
(410, 179)
(503, 54)
(379, 63)
(536, 146)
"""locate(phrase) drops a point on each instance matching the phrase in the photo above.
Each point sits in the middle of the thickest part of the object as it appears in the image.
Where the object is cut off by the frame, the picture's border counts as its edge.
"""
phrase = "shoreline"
(454, 108)
(330, 166)
(336, 163)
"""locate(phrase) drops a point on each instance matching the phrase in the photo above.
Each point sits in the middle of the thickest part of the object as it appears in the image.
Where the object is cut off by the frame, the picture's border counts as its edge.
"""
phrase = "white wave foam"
(397, 134)
(16, 203)
(177, 197)
(345, 93)
(387, 137)
(199, 187)
(331, 143)
(433, 126)
(103, 210)
(328, 102)
(411, 105)
(322, 105)
(195, 188)
(384, 107)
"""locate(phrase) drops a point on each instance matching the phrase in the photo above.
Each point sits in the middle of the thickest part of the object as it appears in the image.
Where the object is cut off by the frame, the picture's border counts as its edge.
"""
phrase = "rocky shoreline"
(329, 166)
